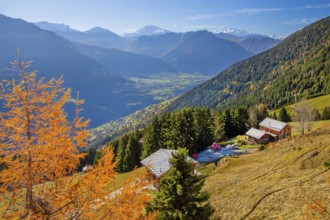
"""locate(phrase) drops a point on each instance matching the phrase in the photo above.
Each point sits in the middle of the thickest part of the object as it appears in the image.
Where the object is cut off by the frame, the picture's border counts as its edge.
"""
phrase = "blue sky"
(279, 17)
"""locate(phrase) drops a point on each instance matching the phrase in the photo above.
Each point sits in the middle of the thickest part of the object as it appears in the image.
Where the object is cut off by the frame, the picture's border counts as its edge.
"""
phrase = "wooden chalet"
(158, 164)
(270, 130)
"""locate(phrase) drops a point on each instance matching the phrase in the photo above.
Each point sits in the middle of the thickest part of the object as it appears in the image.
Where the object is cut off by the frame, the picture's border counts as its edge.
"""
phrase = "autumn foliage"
(39, 155)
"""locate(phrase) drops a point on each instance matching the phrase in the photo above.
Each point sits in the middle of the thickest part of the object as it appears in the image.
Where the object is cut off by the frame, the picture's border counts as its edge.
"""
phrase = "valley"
(165, 86)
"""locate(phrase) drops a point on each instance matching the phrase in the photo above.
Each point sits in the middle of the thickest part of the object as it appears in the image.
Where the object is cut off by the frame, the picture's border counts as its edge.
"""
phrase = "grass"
(276, 183)
(122, 178)
(318, 103)
(206, 169)
(296, 130)
(241, 142)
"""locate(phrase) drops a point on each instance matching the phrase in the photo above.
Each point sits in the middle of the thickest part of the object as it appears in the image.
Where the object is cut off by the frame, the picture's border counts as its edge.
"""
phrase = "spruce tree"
(229, 126)
(180, 195)
(203, 128)
(283, 115)
(241, 119)
(151, 138)
(326, 113)
(121, 154)
(219, 126)
(184, 129)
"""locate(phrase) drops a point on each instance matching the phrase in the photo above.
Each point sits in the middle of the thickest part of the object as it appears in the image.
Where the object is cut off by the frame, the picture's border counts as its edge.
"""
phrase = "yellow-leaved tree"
(39, 156)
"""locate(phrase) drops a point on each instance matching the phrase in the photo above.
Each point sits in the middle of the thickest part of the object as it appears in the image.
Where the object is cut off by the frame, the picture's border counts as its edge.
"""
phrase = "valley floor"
(282, 182)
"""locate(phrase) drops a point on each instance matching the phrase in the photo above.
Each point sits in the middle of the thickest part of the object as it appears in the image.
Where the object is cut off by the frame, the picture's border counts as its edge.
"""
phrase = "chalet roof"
(159, 162)
(273, 124)
(255, 133)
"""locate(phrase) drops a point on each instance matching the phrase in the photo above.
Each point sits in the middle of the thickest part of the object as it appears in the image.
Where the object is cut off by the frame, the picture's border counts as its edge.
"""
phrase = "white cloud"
(304, 21)
(252, 11)
(202, 17)
(317, 6)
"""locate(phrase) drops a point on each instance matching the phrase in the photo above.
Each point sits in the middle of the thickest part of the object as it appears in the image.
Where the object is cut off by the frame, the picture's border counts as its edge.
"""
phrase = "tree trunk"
(29, 198)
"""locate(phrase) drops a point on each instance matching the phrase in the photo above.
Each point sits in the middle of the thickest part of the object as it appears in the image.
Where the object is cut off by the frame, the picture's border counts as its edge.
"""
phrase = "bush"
(261, 147)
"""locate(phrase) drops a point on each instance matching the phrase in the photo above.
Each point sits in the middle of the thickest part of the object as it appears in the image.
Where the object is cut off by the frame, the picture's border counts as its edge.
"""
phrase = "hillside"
(253, 43)
(126, 63)
(277, 183)
(318, 103)
(107, 95)
(124, 125)
(205, 53)
(298, 67)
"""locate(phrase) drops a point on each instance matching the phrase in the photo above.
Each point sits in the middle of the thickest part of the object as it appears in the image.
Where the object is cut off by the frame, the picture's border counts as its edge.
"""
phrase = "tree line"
(191, 128)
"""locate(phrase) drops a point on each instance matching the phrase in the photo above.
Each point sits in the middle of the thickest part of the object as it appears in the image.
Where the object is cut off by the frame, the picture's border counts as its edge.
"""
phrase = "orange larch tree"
(39, 156)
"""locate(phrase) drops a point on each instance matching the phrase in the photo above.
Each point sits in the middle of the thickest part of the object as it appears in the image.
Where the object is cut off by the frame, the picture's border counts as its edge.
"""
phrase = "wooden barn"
(270, 130)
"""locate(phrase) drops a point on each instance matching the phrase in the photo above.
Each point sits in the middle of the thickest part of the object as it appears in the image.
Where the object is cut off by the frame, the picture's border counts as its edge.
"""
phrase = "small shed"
(257, 136)
(158, 164)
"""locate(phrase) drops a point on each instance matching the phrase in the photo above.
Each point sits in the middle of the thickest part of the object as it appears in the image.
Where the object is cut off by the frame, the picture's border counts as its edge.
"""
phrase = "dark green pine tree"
(203, 129)
(121, 154)
(151, 138)
(229, 125)
(219, 126)
(166, 131)
(283, 115)
(241, 118)
(326, 113)
(180, 195)
(129, 157)
(184, 129)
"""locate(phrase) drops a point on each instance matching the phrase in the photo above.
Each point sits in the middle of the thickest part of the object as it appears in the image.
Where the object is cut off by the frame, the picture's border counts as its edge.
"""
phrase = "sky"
(268, 17)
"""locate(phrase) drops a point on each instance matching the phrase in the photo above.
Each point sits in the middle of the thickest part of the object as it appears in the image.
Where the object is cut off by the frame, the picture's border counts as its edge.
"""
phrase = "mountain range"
(297, 67)
(107, 94)
(200, 51)
(98, 62)
(148, 30)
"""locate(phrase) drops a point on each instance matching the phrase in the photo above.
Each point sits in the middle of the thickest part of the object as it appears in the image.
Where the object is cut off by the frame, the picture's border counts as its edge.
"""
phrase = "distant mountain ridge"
(96, 36)
(205, 53)
(297, 67)
(108, 96)
(147, 30)
(183, 51)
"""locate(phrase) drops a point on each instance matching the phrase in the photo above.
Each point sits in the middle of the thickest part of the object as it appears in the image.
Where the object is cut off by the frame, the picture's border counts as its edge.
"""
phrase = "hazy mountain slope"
(252, 43)
(97, 36)
(205, 53)
(300, 65)
(277, 183)
(258, 45)
(108, 96)
(126, 63)
(155, 46)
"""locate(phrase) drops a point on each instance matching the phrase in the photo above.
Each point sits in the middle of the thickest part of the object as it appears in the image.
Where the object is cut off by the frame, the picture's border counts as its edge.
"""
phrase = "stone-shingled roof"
(159, 162)
(273, 124)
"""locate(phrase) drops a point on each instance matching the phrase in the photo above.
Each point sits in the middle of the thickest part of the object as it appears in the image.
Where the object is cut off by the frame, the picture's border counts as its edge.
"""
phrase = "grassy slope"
(315, 125)
(319, 103)
(275, 183)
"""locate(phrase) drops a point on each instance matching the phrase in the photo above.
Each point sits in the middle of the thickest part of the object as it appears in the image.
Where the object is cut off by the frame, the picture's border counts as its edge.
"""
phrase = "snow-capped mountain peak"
(62, 28)
(147, 30)
(233, 31)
